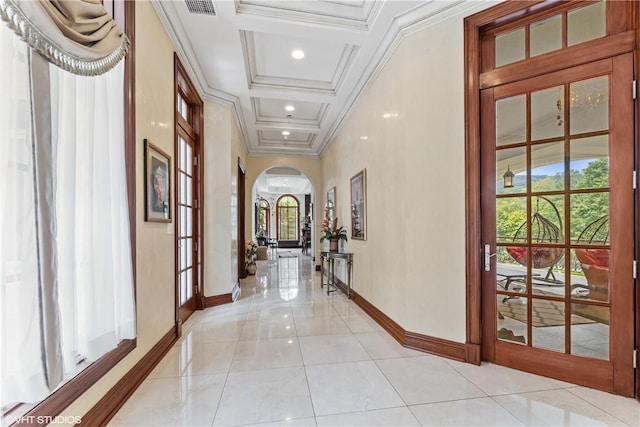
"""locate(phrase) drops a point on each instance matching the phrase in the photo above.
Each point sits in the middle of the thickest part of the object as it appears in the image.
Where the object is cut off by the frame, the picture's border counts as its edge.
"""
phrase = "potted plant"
(332, 232)
(261, 238)
(251, 251)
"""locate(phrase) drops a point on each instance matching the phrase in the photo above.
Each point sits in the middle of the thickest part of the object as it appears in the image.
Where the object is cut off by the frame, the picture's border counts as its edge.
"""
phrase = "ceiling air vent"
(203, 7)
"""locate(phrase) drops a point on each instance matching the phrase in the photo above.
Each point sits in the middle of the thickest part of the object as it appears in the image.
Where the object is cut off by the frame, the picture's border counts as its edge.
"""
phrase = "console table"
(329, 258)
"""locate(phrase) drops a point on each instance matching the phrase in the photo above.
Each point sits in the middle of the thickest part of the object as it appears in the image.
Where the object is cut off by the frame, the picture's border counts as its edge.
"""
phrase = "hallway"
(288, 354)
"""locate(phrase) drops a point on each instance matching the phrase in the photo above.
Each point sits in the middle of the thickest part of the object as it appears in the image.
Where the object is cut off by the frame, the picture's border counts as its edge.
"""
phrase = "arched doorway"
(282, 199)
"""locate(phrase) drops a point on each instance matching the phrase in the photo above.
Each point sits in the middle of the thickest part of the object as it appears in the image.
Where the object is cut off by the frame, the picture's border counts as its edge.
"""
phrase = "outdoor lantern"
(508, 178)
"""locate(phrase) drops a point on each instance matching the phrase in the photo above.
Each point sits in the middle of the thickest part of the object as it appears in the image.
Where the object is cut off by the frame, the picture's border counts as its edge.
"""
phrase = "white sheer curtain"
(66, 274)
(93, 229)
(23, 377)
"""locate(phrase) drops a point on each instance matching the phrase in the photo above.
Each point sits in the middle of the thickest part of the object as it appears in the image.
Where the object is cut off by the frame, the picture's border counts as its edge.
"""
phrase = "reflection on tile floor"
(287, 354)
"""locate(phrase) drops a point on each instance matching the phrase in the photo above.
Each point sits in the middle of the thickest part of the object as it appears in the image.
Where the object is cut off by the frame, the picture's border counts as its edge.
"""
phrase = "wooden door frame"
(625, 38)
(242, 271)
(195, 128)
(637, 203)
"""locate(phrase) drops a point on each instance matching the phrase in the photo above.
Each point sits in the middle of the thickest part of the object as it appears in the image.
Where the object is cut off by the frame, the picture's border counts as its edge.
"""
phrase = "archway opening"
(282, 216)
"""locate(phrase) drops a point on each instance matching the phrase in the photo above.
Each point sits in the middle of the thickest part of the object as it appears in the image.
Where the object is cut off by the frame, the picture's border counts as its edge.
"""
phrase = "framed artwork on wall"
(359, 205)
(331, 203)
(157, 184)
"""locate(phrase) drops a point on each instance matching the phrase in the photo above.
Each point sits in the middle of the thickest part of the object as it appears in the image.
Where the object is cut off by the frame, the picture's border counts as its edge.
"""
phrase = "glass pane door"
(557, 228)
(185, 228)
(552, 218)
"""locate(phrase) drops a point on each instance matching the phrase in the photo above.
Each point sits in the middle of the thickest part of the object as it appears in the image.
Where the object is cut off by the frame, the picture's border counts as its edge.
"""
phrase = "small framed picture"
(359, 205)
(331, 203)
(157, 184)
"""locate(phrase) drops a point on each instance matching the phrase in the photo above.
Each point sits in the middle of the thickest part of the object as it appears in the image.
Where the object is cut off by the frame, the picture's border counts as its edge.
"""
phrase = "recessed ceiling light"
(286, 133)
(297, 54)
(364, 138)
(389, 115)
(290, 108)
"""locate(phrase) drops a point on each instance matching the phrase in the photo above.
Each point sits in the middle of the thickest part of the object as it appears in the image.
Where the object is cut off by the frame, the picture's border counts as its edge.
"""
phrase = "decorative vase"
(251, 268)
(333, 245)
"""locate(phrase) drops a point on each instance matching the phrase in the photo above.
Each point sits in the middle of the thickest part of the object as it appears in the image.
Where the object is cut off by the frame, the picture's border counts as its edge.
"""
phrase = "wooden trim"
(382, 319)
(199, 176)
(74, 388)
(438, 346)
(473, 239)
(586, 71)
(112, 401)
(241, 215)
(595, 374)
(488, 231)
(192, 130)
(441, 347)
(533, 14)
(130, 123)
(636, 16)
(622, 242)
(621, 16)
(473, 353)
(214, 300)
(583, 53)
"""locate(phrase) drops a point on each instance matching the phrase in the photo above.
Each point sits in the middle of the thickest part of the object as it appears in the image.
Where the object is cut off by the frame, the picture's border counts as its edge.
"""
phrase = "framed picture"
(157, 184)
(331, 203)
(359, 205)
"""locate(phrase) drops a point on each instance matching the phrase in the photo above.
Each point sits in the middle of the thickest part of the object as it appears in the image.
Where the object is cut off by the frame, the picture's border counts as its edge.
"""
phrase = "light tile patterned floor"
(286, 354)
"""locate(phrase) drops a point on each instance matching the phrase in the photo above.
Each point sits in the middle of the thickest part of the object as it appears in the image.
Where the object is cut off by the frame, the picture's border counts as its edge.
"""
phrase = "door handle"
(487, 257)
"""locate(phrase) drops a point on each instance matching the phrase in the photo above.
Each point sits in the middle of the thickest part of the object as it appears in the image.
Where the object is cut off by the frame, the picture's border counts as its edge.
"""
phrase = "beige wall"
(222, 147)
(412, 264)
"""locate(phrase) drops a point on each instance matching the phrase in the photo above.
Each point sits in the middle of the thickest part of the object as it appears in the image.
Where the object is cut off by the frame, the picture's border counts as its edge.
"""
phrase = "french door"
(188, 229)
(557, 205)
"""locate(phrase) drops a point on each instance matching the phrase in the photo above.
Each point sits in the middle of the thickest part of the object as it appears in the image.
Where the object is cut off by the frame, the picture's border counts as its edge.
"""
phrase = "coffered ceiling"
(239, 52)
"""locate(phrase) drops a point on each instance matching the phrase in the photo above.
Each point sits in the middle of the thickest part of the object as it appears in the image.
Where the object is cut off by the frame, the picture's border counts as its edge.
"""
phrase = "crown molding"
(388, 45)
(425, 15)
(344, 66)
(302, 128)
(241, 123)
(283, 153)
(192, 65)
(370, 12)
(416, 19)
(184, 50)
(248, 47)
(403, 25)
(292, 143)
(289, 85)
(233, 102)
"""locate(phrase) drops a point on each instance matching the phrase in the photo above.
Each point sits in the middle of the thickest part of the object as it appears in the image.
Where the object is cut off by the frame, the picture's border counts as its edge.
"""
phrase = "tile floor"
(286, 354)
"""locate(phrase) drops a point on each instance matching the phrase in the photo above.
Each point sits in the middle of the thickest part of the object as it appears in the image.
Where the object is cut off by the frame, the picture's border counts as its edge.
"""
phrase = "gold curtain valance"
(78, 36)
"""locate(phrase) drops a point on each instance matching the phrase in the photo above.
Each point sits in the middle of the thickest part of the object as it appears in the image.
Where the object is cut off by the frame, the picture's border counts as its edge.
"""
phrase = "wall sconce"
(508, 178)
